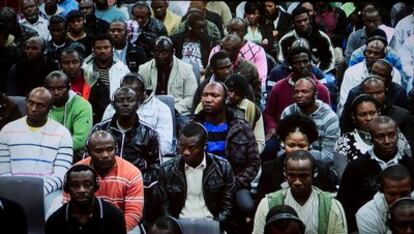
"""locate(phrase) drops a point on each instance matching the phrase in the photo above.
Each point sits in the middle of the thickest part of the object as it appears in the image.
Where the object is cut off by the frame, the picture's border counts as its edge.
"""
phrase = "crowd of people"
(259, 117)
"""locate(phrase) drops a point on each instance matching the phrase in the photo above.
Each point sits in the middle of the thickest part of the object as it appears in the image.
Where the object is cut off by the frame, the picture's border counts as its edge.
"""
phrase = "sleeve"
(115, 221)
(350, 46)
(327, 60)
(153, 160)
(165, 129)
(82, 124)
(270, 112)
(229, 191)
(259, 134)
(108, 113)
(11, 82)
(5, 166)
(407, 58)
(134, 201)
(330, 137)
(340, 225)
(162, 192)
(261, 64)
(214, 50)
(365, 223)
(255, 82)
(346, 86)
(63, 161)
(260, 216)
(356, 57)
(323, 94)
(190, 87)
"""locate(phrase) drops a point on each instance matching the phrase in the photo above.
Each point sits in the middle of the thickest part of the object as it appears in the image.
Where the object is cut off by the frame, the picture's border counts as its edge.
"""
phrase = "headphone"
(284, 216)
(87, 168)
(314, 166)
(388, 221)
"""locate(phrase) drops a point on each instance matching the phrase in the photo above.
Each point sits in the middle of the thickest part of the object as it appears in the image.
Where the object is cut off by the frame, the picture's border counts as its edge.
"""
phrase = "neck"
(302, 199)
(36, 124)
(104, 63)
(166, 68)
(310, 108)
(77, 35)
(120, 46)
(216, 118)
(385, 157)
(127, 122)
(85, 209)
(51, 10)
(34, 20)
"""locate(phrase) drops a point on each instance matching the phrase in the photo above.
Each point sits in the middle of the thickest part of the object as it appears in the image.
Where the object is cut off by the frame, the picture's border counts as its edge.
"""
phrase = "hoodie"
(76, 116)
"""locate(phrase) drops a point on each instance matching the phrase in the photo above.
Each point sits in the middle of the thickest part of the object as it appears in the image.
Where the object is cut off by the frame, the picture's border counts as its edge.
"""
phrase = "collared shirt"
(121, 54)
(395, 160)
(195, 205)
(40, 26)
(306, 212)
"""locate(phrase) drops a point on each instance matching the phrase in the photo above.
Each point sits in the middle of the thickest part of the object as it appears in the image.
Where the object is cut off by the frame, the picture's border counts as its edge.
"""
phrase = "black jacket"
(283, 26)
(206, 44)
(151, 31)
(135, 56)
(140, 146)
(217, 185)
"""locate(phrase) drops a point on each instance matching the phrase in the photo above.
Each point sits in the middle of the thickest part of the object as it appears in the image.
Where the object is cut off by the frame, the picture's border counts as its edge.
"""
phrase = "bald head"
(99, 136)
(232, 44)
(38, 104)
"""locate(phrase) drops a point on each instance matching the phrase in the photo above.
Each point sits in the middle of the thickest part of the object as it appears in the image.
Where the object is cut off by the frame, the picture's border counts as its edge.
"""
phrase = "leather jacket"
(139, 146)
(151, 31)
(217, 185)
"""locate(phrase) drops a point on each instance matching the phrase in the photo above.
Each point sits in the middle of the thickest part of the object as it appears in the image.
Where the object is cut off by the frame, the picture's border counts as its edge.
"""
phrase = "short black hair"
(300, 155)
(141, 4)
(395, 172)
(251, 7)
(80, 168)
(218, 56)
(59, 75)
(195, 129)
(57, 19)
(380, 120)
(295, 51)
(73, 14)
(402, 203)
(134, 77)
(102, 37)
(167, 223)
(298, 11)
(296, 122)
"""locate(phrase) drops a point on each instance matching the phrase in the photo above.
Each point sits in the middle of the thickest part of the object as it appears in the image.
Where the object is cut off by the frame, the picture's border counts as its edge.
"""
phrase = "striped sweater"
(327, 124)
(45, 152)
(123, 186)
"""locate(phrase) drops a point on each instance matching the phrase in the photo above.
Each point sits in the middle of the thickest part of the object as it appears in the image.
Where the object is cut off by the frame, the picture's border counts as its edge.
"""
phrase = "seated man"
(37, 146)
(317, 209)
(166, 74)
(208, 191)
(120, 181)
(283, 219)
(321, 113)
(362, 173)
(394, 183)
(70, 110)
(401, 216)
(233, 139)
(151, 111)
(85, 213)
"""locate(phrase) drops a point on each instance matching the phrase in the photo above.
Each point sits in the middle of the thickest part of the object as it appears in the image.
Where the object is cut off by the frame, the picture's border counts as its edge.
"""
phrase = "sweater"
(45, 152)
(76, 116)
(281, 96)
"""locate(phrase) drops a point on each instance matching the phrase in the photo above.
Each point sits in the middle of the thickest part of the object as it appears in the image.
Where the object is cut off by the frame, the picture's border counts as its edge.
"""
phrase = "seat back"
(169, 101)
(196, 226)
(28, 192)
(20, 102)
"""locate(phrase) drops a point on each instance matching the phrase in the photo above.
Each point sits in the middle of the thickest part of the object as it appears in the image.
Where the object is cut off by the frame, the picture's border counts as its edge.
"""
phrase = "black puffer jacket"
(139, 145)
(218, 187)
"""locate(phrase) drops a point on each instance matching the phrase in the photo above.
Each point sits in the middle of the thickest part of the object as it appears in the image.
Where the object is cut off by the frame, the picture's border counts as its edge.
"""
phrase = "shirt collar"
(97, 210)
(202, 165)
(383, 164)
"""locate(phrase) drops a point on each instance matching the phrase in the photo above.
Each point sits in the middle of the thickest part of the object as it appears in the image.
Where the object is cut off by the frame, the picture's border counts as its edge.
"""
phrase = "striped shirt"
(45, 152)
(327, 124)
(217, 135)
(103, 74)
(123, 186)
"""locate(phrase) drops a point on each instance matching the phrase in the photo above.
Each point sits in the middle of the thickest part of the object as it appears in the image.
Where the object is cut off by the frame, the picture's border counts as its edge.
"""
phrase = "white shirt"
(40, 26)
(307, 212)
(195, 205)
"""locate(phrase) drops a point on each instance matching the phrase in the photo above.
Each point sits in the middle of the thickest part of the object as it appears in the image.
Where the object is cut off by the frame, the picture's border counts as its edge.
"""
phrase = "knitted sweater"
(76, 116)
(45, 152)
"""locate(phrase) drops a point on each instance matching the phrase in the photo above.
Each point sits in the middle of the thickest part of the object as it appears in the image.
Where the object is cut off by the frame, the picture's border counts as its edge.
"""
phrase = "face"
(76, 25)
(296, 141)
(212, 98)
(30, 10)
(159, 8)
(102, 151)
(253, 18)
(403, 221)
(301, 64)
(304, 93)
(37, 107)
(50, 3)
(234, 98)
(163, 53)
(101, 4)
(141, 15)
(384, 137)
(364, 113)
(86, 8)
(232, 48)
(382, 71)
(118, 33)
(57, 31)
(308, 6)
(237, 28)
(70, 64)
(81, 185)
(125, 103)
(375, 50)
(270, 8)
(192, 150)
(136, 87)
(197, 28)
(223, 69)
(103, 50)
(33, 50)
(299, 177)
(302, 24)
(371, 21)
(396, 189)
(59, 90)
(375, 89)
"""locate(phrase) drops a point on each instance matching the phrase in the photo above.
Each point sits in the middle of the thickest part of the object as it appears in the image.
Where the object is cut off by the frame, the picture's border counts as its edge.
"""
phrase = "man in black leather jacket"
(196, 184)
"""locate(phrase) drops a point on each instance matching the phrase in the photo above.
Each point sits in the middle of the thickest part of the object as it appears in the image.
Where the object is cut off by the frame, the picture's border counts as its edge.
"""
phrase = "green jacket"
(76, 116)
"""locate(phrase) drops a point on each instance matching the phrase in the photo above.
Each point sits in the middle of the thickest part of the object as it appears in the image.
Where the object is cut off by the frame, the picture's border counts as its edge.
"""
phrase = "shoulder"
(110, 209)
(14, 125)
(57, 216)
(167, 166)
(127, 169)
(56, 127)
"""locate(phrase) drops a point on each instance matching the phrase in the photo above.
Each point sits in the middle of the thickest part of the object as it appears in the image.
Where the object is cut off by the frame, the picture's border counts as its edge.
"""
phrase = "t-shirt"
(217, 135)
(192, 53)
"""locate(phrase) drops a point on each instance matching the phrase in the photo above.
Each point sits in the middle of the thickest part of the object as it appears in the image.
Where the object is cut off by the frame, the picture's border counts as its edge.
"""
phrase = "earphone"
(86, 168)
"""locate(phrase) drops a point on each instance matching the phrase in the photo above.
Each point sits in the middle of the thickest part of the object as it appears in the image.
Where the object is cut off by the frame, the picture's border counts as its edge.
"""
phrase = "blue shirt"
(217, 135)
